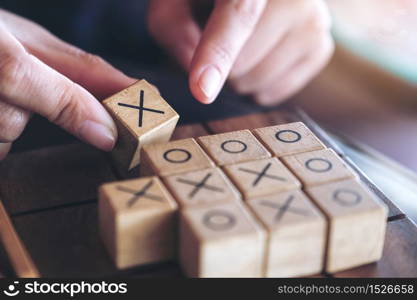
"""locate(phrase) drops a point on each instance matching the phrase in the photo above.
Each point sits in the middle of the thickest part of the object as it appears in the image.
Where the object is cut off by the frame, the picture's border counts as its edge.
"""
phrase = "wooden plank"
(399, 257)
(65, 242)
(19, 257)
(51, 177)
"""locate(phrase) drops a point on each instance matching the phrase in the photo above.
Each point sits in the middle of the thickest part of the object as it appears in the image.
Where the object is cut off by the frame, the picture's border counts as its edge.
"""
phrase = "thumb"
(28, 83)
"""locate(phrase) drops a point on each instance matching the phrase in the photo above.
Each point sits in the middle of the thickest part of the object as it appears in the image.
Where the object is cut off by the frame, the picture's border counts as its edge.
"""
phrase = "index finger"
(230, 25)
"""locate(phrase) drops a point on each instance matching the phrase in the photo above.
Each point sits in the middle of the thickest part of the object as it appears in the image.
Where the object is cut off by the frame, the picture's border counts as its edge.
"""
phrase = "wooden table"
(51, 193)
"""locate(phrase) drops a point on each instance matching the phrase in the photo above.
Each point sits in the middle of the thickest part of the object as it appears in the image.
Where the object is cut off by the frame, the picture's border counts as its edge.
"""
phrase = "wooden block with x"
(223, 240)
(137, 221)
(261, 177)
(296, 234)
(201, 187)
(142, 117)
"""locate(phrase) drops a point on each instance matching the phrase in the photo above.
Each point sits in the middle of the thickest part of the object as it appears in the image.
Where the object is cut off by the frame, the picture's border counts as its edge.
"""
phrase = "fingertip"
(206, 84)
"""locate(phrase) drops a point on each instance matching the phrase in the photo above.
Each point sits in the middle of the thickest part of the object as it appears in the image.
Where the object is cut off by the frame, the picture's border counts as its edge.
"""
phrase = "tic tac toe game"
(263, 148)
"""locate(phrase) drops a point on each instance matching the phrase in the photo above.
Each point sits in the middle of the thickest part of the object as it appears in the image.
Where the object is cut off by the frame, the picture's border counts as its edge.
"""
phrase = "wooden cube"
(174, 158)
(209, 186)
(233, 147)
(318, 167)
(357, 222)
(296, 234)
(288, 139)
(221, 241)
(137, 221)
(261, 177)
(142, 117)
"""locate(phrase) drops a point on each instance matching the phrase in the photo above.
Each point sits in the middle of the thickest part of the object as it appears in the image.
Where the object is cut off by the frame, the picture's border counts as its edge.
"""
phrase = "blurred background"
(367, 95)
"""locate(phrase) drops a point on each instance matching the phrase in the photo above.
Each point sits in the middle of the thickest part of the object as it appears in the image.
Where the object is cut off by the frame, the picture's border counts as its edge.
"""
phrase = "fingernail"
(98, 135)
(209, 83)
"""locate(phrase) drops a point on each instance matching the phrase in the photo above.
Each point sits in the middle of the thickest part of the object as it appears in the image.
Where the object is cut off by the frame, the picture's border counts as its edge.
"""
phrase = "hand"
(41, 74)
(268, 49)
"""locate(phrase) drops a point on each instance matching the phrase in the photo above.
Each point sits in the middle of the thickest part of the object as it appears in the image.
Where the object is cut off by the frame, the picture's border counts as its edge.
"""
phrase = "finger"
(13, 121)
(173, 27)
(28, 83)
(297, 76)
(90, 71)
(4, 150)
(277, 18)
(228, 28)
(285, 54)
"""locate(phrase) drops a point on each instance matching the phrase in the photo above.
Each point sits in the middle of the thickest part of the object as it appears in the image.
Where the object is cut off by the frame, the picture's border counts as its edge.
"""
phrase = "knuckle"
(89, 59)
(66, 108)
(12, 72)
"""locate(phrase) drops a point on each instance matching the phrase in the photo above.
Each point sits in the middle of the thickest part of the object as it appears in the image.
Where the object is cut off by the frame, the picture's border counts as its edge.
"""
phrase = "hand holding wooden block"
(357, 224)
(296, 234)
(142, 117)
(137, 221)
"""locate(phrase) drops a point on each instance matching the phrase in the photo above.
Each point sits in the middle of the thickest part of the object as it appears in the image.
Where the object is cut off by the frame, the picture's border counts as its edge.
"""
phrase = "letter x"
(262, 174)
(141, 108)
(284, 208)
(199, 185)
(138, 194)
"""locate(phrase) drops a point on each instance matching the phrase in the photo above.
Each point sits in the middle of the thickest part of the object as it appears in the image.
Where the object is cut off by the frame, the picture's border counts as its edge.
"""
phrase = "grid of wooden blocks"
(272, 202)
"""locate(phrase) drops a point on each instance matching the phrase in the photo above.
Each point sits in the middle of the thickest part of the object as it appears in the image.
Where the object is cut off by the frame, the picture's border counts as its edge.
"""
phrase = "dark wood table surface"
(50, 195)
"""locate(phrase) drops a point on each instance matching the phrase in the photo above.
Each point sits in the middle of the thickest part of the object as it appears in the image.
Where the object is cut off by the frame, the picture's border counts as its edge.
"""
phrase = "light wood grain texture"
(233, 147)
(357, 222)
(50, 177)
(286, 139)
(20, 259)
(142, 117)
(296, 234)
(261, 177)
(175, 157)
(137, 221)
(399, 257)
(221, 241)
(318, 167)
(201, 187)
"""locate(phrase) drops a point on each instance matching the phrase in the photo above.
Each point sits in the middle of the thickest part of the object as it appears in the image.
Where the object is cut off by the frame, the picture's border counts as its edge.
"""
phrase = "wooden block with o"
(296, 234)
(288, 139)
(137, 220)
(221, 241)
(175, 157)
(142, 117)
(208, 186)
(233, 147)
(318, 167)
(357, 222)
(261, 177)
